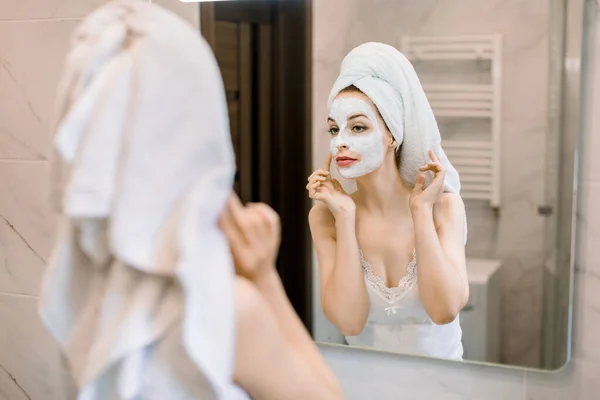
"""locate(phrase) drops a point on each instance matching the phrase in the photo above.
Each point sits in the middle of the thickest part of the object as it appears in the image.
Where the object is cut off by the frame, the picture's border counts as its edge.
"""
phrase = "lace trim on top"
(391, 293)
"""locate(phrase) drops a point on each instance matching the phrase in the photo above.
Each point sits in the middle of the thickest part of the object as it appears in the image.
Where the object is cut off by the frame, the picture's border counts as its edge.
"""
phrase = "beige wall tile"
(30, 66)
(46, 9)
(27, 352)
(26, 225)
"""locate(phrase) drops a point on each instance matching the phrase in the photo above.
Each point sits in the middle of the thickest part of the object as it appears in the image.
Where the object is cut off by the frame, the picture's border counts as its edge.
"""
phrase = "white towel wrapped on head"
(140, 291)
(388, 78)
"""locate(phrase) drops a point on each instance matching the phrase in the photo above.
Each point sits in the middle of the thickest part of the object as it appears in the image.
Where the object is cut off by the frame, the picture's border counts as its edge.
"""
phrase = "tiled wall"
(369, 375)
(516, 233)
(33, 43)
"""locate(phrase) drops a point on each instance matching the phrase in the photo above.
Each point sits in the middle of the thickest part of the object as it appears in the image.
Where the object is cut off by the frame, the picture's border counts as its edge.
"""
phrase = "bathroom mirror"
(503, 82)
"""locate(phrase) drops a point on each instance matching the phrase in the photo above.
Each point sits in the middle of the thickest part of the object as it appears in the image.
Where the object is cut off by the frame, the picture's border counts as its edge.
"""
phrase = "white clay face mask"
(368, 146)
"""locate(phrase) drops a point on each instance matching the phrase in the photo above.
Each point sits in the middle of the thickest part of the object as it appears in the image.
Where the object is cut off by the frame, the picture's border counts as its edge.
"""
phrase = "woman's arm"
(276, 359)
(442, 272)
(271, 288)
(344, 297)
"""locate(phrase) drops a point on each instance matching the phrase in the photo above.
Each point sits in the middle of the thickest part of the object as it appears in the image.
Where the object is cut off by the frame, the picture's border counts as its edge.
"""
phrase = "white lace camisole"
(398, 322)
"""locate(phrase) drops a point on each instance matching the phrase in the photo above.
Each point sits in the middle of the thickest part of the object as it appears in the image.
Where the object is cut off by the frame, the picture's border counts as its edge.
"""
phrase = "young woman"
(392, 254)
(162, 285)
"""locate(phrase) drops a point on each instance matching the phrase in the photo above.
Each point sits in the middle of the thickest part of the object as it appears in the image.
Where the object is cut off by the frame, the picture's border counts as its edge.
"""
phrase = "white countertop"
(480, 270)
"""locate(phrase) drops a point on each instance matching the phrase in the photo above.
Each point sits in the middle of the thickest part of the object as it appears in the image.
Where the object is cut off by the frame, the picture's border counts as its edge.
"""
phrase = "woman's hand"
(329, 191)
(254, 235)
(421, 198)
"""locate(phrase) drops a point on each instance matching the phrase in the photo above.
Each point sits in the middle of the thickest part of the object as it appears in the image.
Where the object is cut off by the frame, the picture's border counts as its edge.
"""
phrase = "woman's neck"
(383, 191)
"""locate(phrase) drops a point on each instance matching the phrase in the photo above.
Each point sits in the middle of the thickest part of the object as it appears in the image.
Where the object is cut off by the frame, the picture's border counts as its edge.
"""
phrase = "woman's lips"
(345, 161)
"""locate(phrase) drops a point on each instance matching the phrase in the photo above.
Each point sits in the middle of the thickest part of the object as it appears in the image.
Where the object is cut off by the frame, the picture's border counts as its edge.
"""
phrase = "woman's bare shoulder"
(451, 201)
(450, 208)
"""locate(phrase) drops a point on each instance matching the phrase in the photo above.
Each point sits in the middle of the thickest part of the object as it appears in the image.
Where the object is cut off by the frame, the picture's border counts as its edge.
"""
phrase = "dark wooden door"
(242, 45)
(263, 50)
(233, 50)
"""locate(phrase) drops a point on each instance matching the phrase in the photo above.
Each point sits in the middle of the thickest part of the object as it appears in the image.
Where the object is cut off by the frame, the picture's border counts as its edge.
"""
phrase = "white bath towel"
(388, 78)
(139, 293)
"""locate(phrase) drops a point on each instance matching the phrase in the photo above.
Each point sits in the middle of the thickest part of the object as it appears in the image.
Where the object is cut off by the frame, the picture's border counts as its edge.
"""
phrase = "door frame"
(291, 145)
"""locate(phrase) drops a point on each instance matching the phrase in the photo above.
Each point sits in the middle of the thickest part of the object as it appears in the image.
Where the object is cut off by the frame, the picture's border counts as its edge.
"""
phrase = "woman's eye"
(359, 129)
(333, 131)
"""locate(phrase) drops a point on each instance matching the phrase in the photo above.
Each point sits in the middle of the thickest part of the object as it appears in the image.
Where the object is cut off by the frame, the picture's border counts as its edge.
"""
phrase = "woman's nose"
(343, 146)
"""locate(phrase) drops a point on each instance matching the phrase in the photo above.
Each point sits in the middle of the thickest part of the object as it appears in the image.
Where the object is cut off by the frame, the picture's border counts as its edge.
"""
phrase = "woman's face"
(357, 134)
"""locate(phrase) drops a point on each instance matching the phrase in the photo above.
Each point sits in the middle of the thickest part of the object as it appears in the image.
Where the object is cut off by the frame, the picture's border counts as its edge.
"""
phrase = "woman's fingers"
(433, 157)
(321, 174)
(235, 208)
(238, 215)
(318, 191)
(327, 165)
(232, 233)
(419, 183)
(255, 227)
(438, 169)
(317, 179)
(431, 166)
(322, 184)
(246, 221)
(440, 176)
(270, 219)
(434, 167)
(318, 173)
(324, 171)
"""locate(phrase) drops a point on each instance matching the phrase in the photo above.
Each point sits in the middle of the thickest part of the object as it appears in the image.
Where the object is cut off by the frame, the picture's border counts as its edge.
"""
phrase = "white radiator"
(477, 161)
